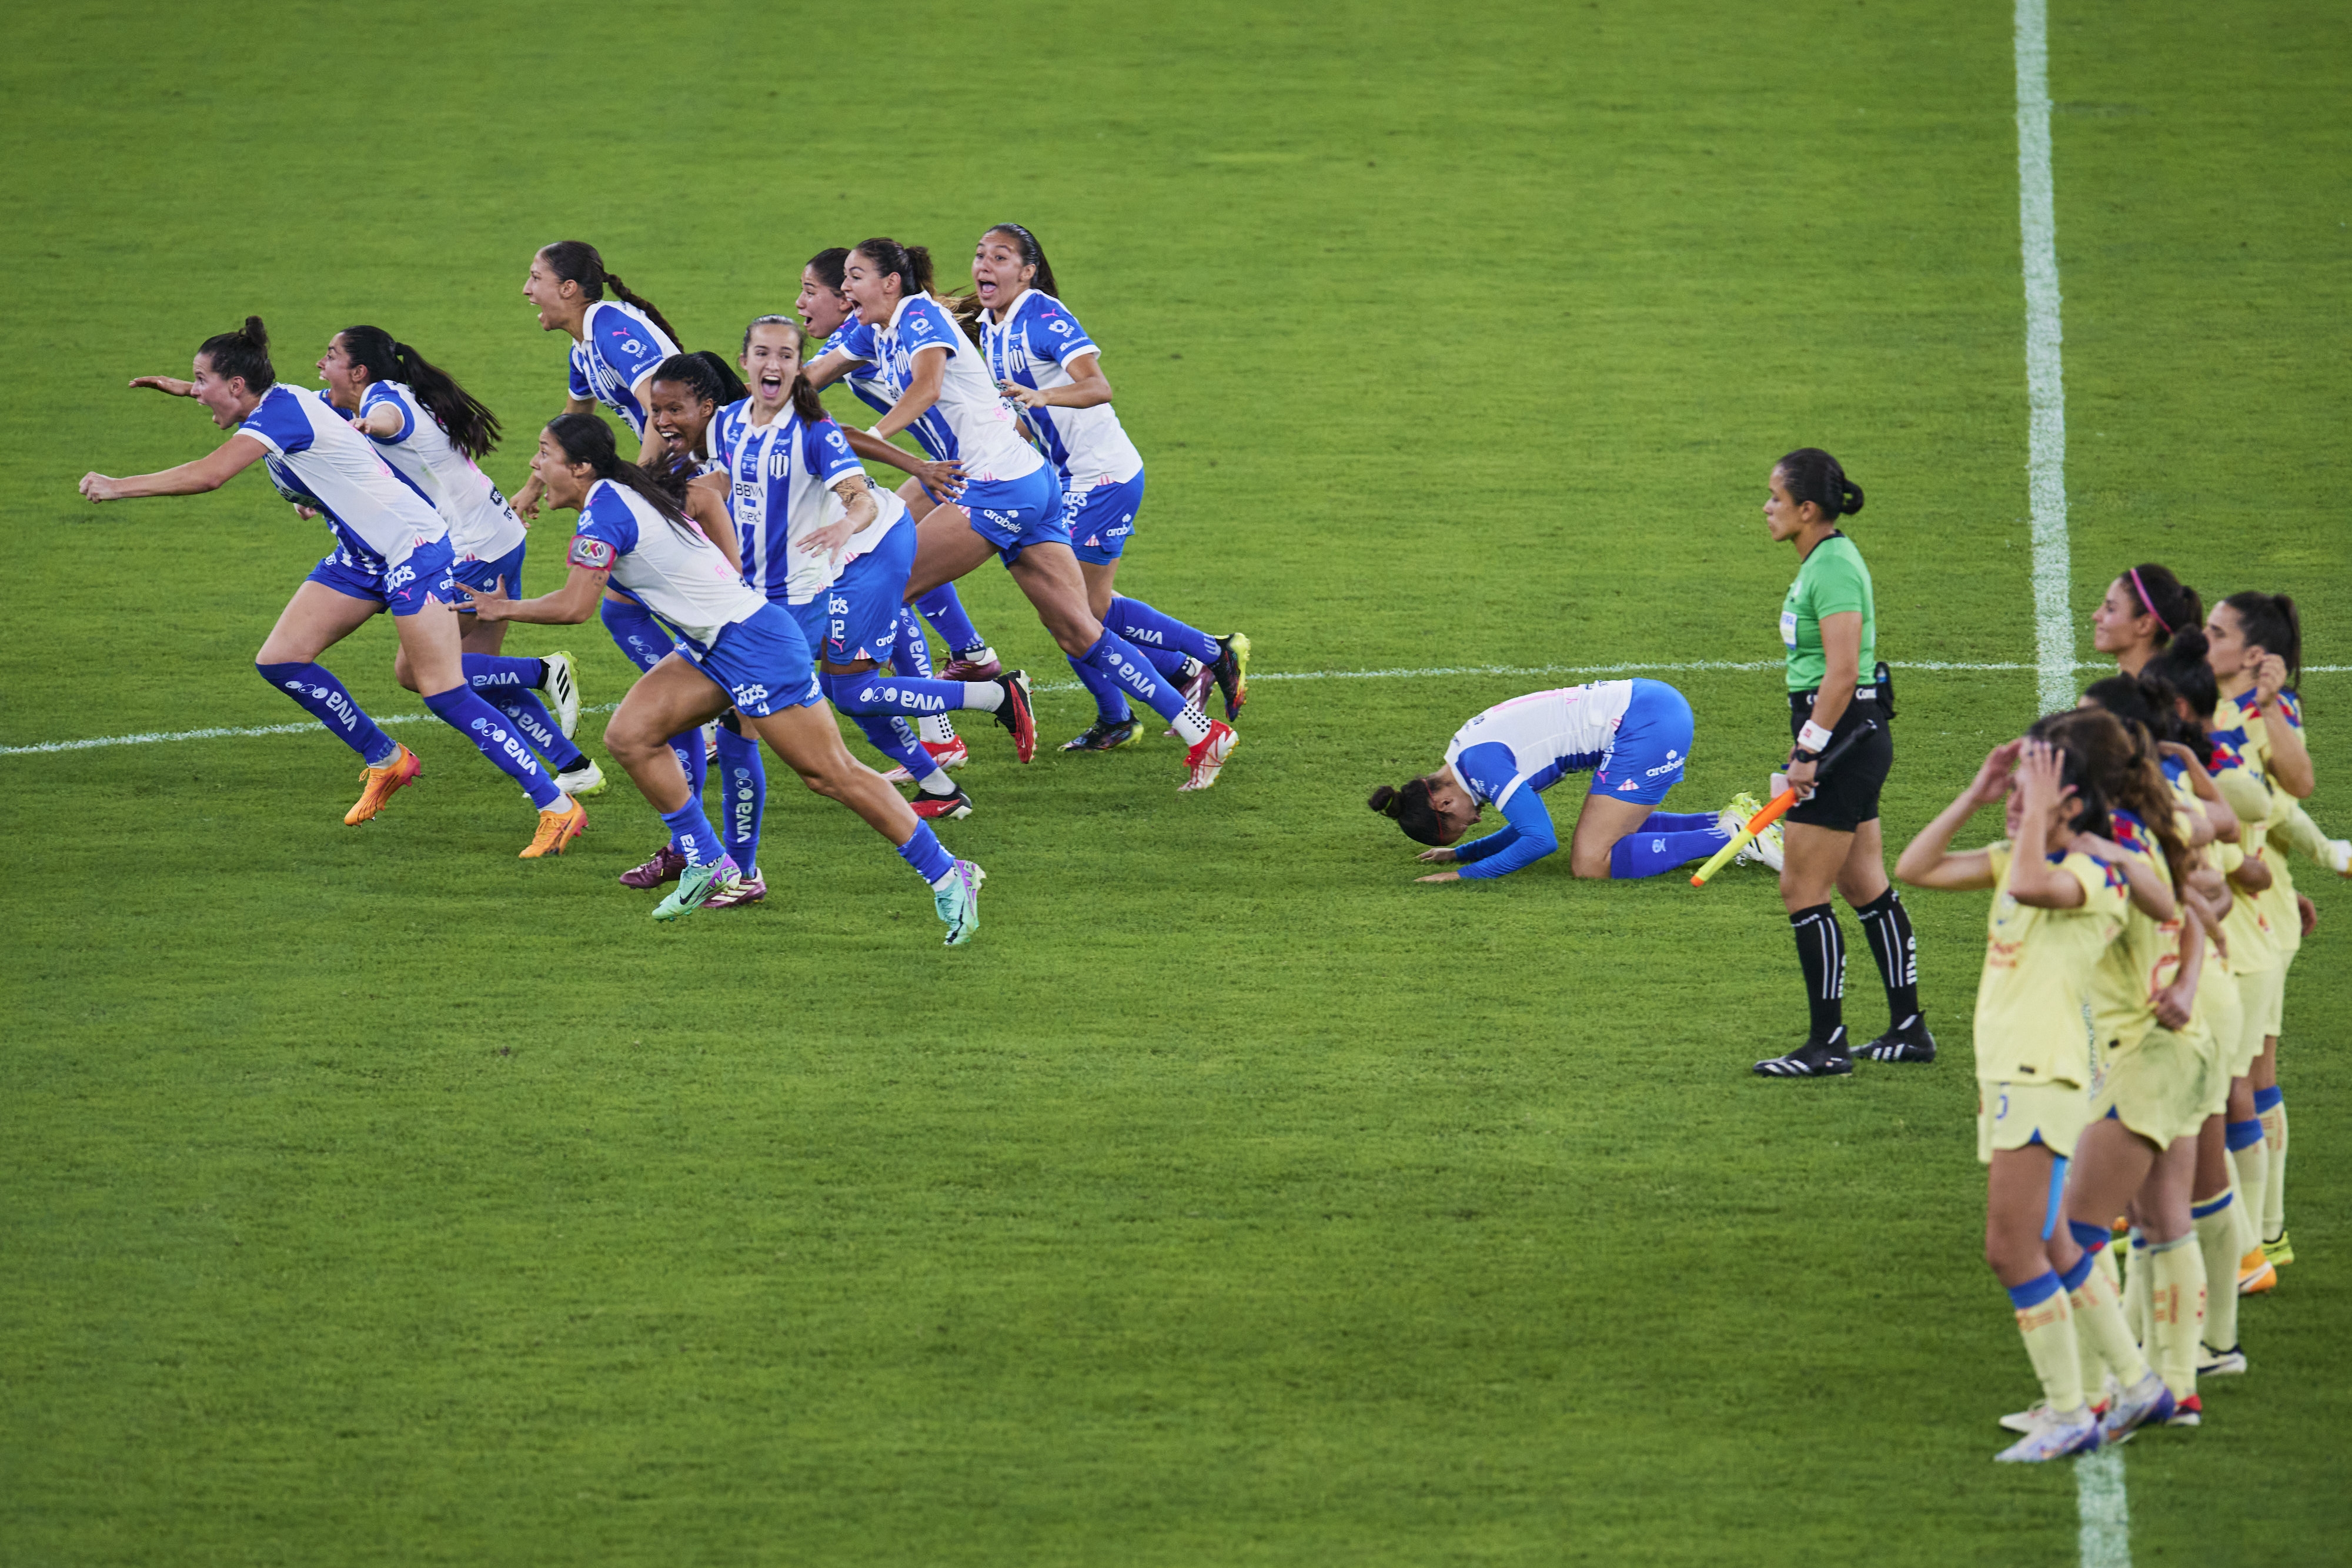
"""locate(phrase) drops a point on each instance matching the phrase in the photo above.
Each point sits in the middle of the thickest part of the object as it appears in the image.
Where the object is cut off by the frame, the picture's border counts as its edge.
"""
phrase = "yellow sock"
(2274, 1174)
(2253, 1170)
(2111, 1266)
(2218, 1243)
(2137, 1286)
(2047, 1327)
(2098, 1313)
(2176, 1271)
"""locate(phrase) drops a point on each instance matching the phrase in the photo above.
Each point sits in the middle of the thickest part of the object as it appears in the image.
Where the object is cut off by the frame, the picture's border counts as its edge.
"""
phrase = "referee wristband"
(1812, 737)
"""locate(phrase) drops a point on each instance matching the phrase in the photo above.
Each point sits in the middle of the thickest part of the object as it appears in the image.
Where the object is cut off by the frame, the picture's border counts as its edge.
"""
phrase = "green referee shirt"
(1831, 582)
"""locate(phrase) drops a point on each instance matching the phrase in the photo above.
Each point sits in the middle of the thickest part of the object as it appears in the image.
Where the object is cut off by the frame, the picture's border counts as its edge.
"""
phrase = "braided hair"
(1812, 474)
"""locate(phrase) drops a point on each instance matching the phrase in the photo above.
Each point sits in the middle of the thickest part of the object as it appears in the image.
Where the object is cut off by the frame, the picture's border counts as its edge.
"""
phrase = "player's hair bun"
(242, 353)
(1812, 474)
(257, 334)
(1410, 809)
(1384, 801)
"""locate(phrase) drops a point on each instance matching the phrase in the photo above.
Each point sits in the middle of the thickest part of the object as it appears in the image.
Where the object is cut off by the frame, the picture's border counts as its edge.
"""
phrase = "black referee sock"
(1820, 951)
(1886, 925)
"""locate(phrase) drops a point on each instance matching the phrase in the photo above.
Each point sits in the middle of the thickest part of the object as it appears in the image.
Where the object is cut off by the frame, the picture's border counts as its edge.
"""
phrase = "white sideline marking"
(2106, 1513)
(163, 738)
(2045, 382)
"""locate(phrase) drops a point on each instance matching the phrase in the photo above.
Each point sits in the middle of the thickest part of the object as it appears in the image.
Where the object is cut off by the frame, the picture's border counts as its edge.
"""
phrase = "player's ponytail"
(1810, 474)
(2175, 606)
(1410, 809)
(472, 428)
(2182, 666)
(244, 352)
(576, 261)
(706, 374)
(2270, 622)
(2121, 754)
(585, 438)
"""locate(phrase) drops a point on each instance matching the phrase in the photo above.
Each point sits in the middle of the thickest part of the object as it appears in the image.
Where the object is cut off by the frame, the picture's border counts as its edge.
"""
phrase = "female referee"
(391, 552)
(1633, 736)
(434, 434)
(1044, 360)
(1010, 506)
(1829, 626)
(734, 649)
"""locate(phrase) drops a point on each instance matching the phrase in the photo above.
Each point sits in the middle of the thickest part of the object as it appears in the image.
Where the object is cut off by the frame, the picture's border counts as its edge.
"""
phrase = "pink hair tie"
(2143, 599)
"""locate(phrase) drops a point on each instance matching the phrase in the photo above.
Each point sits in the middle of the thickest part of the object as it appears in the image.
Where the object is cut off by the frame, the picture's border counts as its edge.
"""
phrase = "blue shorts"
(761, 662)
(861, 608)
(487, 574)
(405, 590)
(1013, 514)
(1653, 742)
(1101, 519)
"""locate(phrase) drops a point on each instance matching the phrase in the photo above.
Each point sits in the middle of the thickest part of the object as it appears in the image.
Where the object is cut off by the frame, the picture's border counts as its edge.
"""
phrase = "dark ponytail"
(2268, 620)
(706, 374)
(472, 429)
(2119, 768)
(1410, 809)
(576, 261)
(244, 352)
(1810, 474)
(1032, 254)
(2175, 606)
(585, 438)
(2182, 667)
(912, 263)
(2147, 700)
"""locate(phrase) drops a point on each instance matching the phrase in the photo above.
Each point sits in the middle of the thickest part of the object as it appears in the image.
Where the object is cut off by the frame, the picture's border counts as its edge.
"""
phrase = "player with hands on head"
(2053, 912)
(734, 648)
(391, 552)
(1044, 360)
(1632, 737)
(434, 435)
(1831, 840)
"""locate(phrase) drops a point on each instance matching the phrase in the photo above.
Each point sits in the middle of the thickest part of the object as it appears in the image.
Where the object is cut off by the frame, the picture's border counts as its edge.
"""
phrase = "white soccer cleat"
(1765, 847)
(1207, 757)
(583, 780)
(2076, 1433)
(710, 740)
(2146, 1403)
(560, 685)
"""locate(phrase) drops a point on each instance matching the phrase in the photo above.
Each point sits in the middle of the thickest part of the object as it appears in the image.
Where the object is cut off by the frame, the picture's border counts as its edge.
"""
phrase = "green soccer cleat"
(2280, 1252)
(696, 884)
(959, 902)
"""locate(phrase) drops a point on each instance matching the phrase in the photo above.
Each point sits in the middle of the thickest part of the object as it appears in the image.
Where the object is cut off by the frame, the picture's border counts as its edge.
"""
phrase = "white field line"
(2105, 1536)
(2045, 382)
(163, 738)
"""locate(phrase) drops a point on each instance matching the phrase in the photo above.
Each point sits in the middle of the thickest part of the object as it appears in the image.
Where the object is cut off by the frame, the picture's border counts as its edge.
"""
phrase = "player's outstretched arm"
(210, 472)
(569, 605)
(172, 385)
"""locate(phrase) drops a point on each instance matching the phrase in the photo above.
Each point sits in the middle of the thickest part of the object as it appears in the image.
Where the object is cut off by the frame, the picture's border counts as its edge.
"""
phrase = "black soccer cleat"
(1014, 715)
(1105, 735)
(1810, 1059)
(1231, 672)
(1908, 1042)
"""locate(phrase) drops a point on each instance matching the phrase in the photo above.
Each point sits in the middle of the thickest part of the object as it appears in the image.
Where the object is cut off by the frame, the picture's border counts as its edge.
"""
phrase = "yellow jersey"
(2033, 1022)
(2266, 923)
(2144, 958)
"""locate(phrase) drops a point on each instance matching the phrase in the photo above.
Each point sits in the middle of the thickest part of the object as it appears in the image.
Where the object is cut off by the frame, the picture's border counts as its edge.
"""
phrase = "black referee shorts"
(1848, 797)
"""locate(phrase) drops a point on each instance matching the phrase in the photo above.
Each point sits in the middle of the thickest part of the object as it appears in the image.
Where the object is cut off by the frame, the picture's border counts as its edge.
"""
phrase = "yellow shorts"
(2261, 994)
(2011, 1115)
(2220, 1013)
(2160, 1087)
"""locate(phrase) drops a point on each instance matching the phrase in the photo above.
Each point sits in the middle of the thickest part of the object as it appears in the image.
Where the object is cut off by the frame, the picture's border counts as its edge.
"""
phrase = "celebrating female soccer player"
(615, 343)
(1633, 736)
(2054, 910)
(1010, 504)
(733, 648)
(434, 434)
(820, 539)
(1829, 624)
(1044, 360)
(391, 552)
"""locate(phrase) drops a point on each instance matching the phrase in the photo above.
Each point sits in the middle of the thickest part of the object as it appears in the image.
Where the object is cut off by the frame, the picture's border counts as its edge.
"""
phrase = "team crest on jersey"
(596, 554)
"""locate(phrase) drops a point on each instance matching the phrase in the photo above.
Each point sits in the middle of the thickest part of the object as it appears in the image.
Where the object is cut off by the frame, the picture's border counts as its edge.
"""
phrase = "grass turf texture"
(375, 1199)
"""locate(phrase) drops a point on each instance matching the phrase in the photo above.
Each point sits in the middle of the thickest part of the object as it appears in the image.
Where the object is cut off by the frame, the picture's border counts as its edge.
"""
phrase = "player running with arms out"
(391, 552)
(734, 648)
(1632, 737)
(2054, 910)
(1010, 506)
(433, 434)
(1044, 360)
(1829, 629)
(824, 541)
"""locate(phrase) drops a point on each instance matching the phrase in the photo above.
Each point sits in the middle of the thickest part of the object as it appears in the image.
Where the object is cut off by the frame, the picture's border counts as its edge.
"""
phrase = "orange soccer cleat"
(556, 829)
(380, 783)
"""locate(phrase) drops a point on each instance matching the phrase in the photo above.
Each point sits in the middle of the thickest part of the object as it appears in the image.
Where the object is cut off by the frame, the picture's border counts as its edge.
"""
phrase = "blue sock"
(1676, 822)
(1167, 661)
(2241, 1134)
(2033, 1292)
(324, 696)
(1118, 659)
(910, 651)
(944, 610)
(874, 693)
(694, 756)
(637, 633)
(1147, 628)
(483, 725)
(484, 671)
(2089, 1238)
(743, 790)
(895, 739)
(2073, 1278)
(691, 831)
(926, 854)
(1110, 703)
(537, 727)
(2270, 1099)
(1645, 854)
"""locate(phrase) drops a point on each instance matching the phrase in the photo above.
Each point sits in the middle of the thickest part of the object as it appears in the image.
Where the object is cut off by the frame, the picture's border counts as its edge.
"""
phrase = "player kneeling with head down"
(1633, 736)
(734, 648)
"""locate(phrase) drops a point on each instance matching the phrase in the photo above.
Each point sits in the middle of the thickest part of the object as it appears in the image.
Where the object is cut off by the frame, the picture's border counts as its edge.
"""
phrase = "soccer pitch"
(370, 1196)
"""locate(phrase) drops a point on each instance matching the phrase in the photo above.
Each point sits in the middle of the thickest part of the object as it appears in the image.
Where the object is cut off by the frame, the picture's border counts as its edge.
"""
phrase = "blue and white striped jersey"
(1033, 346)
(676, 572)
(870, 381)
(317, 460)
(482, 526)
(1532, 740)
(780, 480)
(985, 423)
(618, 346)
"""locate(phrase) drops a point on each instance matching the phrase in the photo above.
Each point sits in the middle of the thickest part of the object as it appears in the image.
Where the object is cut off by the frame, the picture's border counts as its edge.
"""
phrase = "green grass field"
(370, 1196)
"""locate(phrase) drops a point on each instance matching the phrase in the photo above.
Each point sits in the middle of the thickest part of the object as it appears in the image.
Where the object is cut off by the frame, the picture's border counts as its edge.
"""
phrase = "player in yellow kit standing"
(2054, 911)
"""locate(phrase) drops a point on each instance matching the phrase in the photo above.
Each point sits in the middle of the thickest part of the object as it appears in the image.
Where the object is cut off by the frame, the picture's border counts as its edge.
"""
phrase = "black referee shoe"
(1810, 1059)
(1908, 1041)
